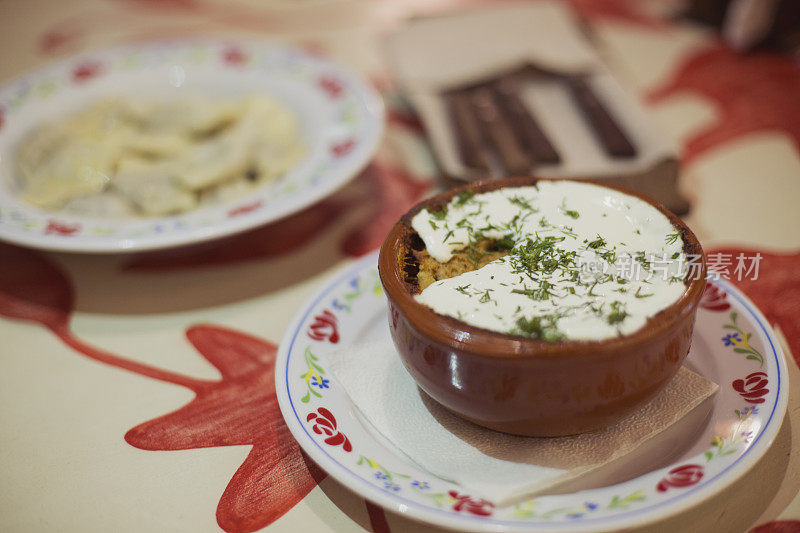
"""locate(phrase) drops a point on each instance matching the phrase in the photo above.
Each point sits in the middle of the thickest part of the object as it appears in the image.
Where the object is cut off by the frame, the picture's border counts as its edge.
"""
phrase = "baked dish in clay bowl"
(541, 307)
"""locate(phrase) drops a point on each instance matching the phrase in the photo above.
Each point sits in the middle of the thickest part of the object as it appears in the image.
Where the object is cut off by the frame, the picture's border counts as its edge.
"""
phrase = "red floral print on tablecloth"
(753, 387)
(238, 409)
(681, 477)
(776, 291)
(632, 12)
(750, 92)
(388, 193)
(778, 526)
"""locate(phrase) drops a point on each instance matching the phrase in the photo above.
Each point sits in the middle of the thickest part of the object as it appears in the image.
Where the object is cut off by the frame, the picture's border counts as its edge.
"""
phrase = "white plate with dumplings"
(164, 144)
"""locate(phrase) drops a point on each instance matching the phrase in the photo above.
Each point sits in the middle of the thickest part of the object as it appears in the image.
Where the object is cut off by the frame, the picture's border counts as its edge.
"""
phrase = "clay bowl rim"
(464, 337)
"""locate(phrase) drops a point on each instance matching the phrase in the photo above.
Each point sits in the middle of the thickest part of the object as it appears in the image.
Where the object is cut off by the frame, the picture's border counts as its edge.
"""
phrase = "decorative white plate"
(341, 119)
(733, 345)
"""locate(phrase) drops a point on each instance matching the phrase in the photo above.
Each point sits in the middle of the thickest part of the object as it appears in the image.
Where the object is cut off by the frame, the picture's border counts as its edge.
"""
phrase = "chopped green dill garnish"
(568, 231)
(522, 202)
(609, 255)
(622, 281)
(543, 222)
(475, 254)
(637, 232)
(597, 243)
(617, 313)
(449, 234)
(463, 289)
(486, 297)
(641, 258)
(433, 225)
(672, 238)
(639, 295)
(675, 255)
(506, 243)
(539, 327)
(542, 255)
(440, 214)
(590, 293)
(569, 212)
(542, 293)
(464, 197)
(513, 224)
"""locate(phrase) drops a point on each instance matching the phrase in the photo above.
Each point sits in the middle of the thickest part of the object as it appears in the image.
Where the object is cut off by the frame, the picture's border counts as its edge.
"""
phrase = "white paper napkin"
(496, 466)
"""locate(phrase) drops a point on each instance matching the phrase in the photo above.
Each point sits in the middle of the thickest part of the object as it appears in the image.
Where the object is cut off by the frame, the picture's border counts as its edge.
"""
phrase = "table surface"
(92, 425)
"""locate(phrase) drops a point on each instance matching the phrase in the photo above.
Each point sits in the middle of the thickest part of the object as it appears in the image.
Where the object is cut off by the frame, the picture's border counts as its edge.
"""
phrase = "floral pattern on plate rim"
(661, 486)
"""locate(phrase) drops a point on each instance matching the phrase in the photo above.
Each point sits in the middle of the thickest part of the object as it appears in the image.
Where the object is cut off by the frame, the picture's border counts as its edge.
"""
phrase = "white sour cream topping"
(587, 262)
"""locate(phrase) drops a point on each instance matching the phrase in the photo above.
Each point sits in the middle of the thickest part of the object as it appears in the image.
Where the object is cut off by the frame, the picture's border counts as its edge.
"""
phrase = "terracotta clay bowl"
(526, 386)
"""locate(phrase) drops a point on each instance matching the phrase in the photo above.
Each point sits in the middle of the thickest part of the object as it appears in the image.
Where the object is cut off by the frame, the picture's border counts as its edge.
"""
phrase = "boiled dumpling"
(213, 161)
(227, 191)
(40, 146)
(271, 162)
(269, 121)
(72, 170)
(98, 121)
(149, 145)
(271, 131)
(188, 116)
(69, 159)
(153, 187)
